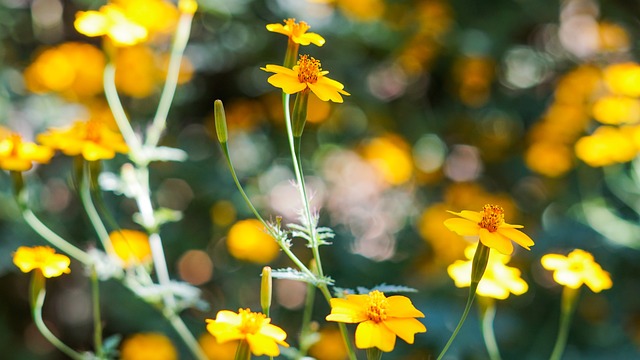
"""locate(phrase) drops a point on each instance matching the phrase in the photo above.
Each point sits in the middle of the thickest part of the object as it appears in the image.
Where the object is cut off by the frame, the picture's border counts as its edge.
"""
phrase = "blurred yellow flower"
(111, 21)
(613, 37)
(306, 75)
(606, 146)
(623, 79)
(616, 110)
(576, 269)
(551, 159)
(498, 280)
(247, 240)
(74, 70)
(17, 155)
(148, 346)
(187, 6)
(215, 350)
(42, 258)
(297, 32)
(391, 156)
(254, 328)
(380, 319)
(330, 346)
(156, 16)
(490, 226)
(92, 139)
(131, 246)
(137, 72)
(360, 10)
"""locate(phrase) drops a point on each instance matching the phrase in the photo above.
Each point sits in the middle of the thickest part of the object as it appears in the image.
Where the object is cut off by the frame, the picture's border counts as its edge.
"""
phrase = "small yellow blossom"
(148, 346)
(391, 156)
(490, 226)
(215, 350)
(498, 280)
(247, 240)
(616, 110)
(131, 246)
(254, 328)
(297, 32)
(306, 75)
(380, 319)
(42, 258)
(606, 146)
(92, 139)
(330, 346)
(623, 78)
(17, 155)
(111, 21)
(576, 269)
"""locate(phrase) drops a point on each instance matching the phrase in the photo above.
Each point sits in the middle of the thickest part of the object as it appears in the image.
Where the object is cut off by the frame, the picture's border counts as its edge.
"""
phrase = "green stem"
(177, 50)
(97, 320)
(119, 114)
(92, 213)
(343, 328)
(243, 352)
(569, 300)
(487, 315)
(472, 294)
(182, 330)
(306, 321)
(374, 354)
(38, 296)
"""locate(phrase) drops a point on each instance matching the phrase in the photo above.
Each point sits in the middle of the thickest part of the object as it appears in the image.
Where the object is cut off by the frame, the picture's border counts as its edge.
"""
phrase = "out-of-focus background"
(530, 104)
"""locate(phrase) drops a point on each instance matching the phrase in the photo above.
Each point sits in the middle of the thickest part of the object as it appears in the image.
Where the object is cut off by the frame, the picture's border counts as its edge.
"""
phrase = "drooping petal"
(516, 235)
(370, 334)
(332, 83)
(278, 28)
(274, 332)
(228, 317)
(405, 328)
(401, 307)
(553, 261)
(343, 310)
(288, 84)
(469, 215)
(496, 241)
(280, 70)
(325, 92)
(462, 227)
(57, 265)
(93, 152)
(313, 38)
(568, 278)
(262, 345)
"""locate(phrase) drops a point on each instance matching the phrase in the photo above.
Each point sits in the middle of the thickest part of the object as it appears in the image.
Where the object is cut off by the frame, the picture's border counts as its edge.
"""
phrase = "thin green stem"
(92, 212)
(472, 294)
(569, 300)
(306, 321)
(160, 265)
(343, 328)
(374, 354)
(243, 352)
(119, 114)
(97, 320)
(36, 309)
(487, 315)
(177, 50)
(182, 330)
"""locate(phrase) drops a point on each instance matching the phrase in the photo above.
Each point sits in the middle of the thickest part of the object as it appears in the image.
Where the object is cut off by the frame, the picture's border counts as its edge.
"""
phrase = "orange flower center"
(92, 130)
(16, 140)
(296, 29)
(308, 69)
(377, 307)
(492, 217)
(250, 322)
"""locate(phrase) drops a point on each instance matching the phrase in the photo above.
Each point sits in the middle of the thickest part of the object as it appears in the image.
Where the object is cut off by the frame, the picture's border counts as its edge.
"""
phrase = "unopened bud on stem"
(220, 120)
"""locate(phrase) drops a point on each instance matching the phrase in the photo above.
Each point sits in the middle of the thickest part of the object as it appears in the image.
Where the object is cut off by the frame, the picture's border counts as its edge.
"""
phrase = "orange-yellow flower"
(576, 269)
(297, 32)
(131, 246)
(306, 75)
(490, 226)
(254, 328)
(92, 139)
(145, 346)
(498, 281)
(16, 155)
(380, 319)
(111, 21)
(42, 258)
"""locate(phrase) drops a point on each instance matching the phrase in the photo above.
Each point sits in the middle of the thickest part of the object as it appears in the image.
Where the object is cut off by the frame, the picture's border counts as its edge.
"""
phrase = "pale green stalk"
(182, 330)
(177, 50)
(487, 315)
(119, 114)
(92, 212)
(97, 320)
(472, 293)
(568, 305)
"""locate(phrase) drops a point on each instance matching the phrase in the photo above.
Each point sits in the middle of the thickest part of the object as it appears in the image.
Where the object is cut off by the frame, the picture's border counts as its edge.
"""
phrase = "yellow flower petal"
(496, 241)
(312, 38)
(370, 334)
(274, 332)
(288, 84)
(91, 23)
(347, 311)
(469, 215)
(462, 227)
(518, 236)
(405, 328)
(553, 261)
(277, 28)
(401, 307)
(325, 93)
(262, 345)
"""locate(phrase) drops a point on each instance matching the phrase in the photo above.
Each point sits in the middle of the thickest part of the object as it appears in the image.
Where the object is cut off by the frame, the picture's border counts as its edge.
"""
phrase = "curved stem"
(472, 294)
(115, 105)
(182, 330)
(487, 315)
(36, 309)
(569, 300)
(92, 212)
(173, 71)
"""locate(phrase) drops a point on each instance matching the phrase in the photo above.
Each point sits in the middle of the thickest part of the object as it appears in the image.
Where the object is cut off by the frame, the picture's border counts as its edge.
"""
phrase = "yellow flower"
(92, 139)
(490, 226)
(247, 240)
(391, 156)
(606, 146)
(498, 280)
(16, 155)
(148, 346)
(131, 246)
(306, 75)
(380, 319)
(111, 21)
(255, 328)
(330, 346)
(41, 258)
(576, 269)
(215, 350)
(297, 32)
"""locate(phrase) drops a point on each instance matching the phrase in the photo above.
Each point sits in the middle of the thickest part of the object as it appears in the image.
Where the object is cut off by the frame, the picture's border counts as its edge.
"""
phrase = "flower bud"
(265, 290)
(299, 115)
(221, 121)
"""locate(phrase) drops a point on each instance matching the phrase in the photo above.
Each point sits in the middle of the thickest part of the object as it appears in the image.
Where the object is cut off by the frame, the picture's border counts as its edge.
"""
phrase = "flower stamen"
(377, 307)
(492, 217)
(250, 322)
(308, 69)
